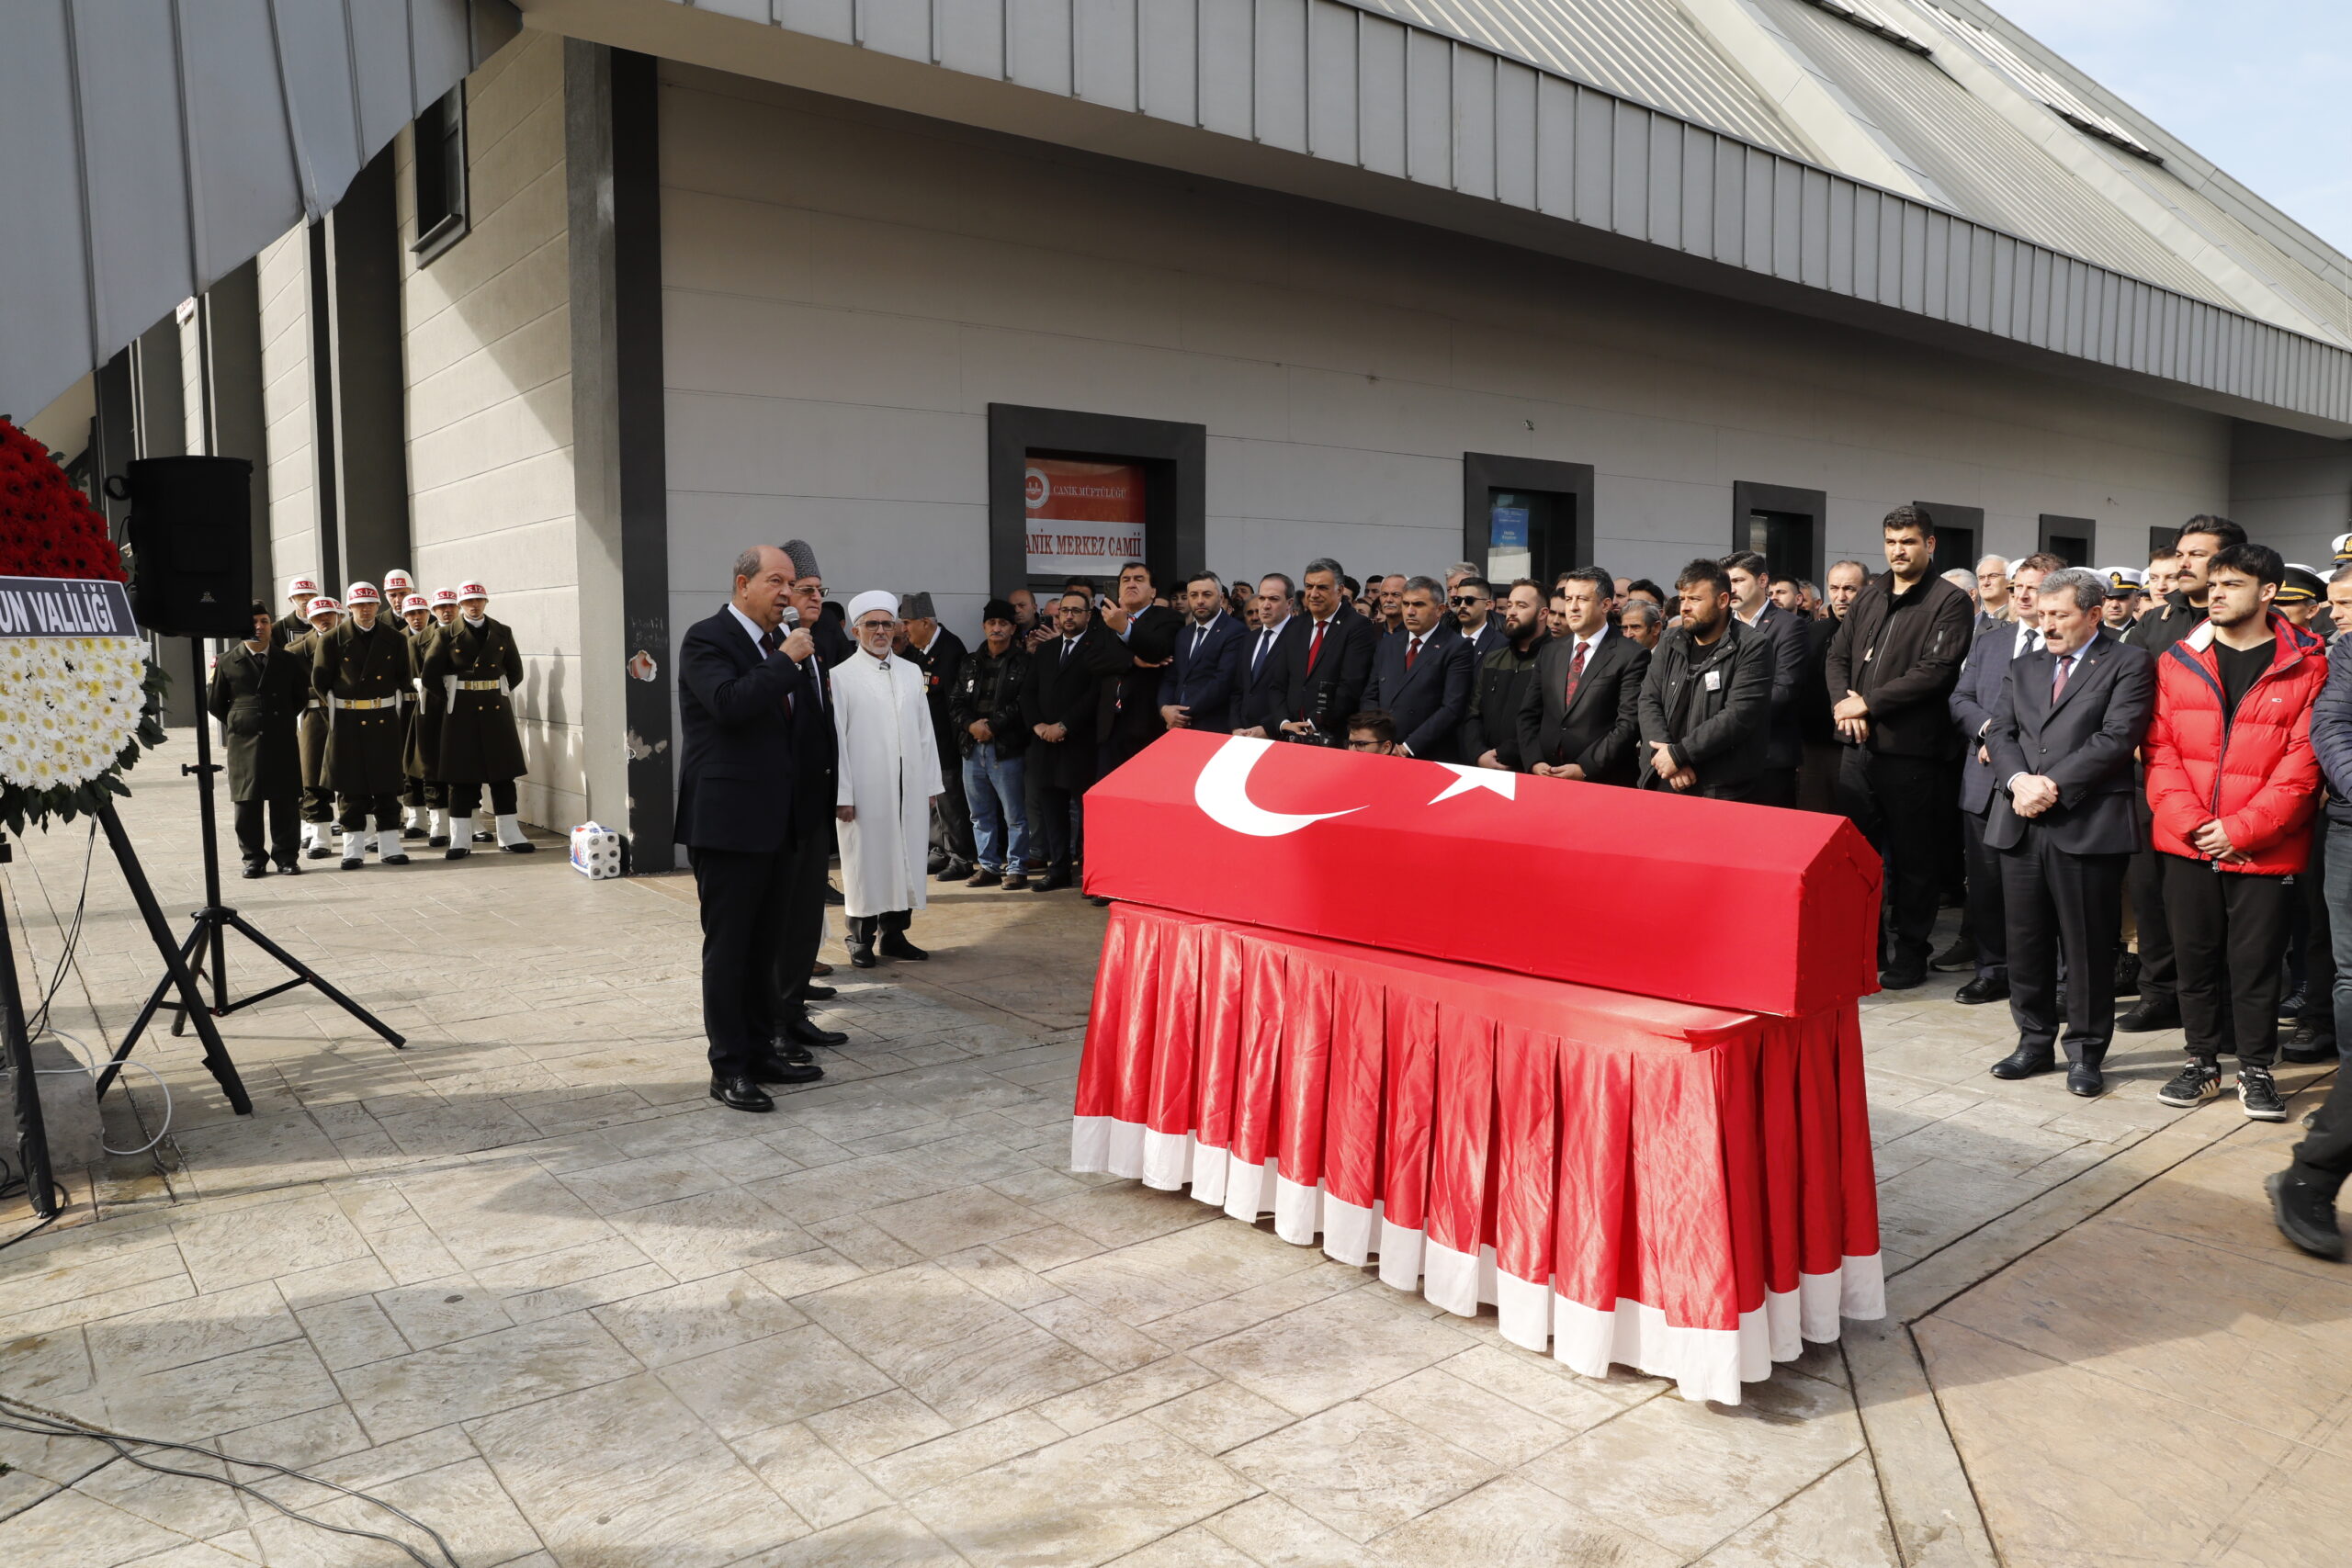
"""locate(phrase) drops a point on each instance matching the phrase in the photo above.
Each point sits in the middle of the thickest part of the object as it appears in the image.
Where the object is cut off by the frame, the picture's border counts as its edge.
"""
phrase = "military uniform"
(258, 699)
(361, 673)
(476, 665)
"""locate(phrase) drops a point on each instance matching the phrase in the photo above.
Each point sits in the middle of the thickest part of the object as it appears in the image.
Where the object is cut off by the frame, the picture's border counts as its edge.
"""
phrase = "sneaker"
(2291, 1004)
(2259, 1095)
(2196, 1082)
(1961, 954)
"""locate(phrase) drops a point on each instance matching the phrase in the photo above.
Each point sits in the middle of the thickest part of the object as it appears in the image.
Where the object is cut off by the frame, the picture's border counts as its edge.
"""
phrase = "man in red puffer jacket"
(2234, 788)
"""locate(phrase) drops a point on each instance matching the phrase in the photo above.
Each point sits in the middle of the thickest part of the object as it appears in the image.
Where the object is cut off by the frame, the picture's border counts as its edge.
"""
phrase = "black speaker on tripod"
(191, 544)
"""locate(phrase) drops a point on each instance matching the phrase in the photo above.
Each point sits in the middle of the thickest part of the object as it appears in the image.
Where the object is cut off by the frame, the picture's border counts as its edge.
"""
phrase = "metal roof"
(153, 148)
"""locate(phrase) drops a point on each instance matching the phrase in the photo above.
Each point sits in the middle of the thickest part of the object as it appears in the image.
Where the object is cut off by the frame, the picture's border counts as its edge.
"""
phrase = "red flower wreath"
(47, 528)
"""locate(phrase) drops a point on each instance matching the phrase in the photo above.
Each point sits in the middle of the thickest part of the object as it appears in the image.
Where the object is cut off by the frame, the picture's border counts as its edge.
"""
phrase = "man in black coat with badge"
(359, 669)
(257, 693)
(476, 665)
(744, 689)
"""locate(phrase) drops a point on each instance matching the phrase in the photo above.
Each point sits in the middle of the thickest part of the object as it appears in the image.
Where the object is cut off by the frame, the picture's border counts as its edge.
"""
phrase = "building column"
(366, 460)
(620, 465)
(229, 337)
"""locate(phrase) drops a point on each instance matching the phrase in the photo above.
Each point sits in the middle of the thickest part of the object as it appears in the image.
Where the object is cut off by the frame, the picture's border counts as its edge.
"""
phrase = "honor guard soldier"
(417, 796)
(398, 586)
(361, 668)
(295, 624)
(320, 616)
(477, 665)
(258, 688)
(434, 707)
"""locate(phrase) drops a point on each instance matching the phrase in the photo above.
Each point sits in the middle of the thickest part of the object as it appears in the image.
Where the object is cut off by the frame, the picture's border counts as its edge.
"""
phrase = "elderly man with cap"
(939, 654)
(257, 693)
(295, 625)
(319, 616)
(890, 777)
(360, 670)
(809, 863)
(478, 668)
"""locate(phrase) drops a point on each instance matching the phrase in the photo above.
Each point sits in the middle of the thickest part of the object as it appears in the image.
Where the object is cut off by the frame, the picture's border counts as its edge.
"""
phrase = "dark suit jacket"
(1814, 725)
(1067, 688)
(1971, 702)
(737, 773)
(1342, 664)
(2084, 744)
(1598, 731)
(1490, 637)
(1131, 697)
(1784, 740)
(1261, 678)
(943, 671)
(1427, 701)
(1718, 730)
(1207, 683)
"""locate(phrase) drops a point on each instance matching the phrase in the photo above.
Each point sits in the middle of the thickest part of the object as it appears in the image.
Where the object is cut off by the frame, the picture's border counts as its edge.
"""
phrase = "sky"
(2262, 88)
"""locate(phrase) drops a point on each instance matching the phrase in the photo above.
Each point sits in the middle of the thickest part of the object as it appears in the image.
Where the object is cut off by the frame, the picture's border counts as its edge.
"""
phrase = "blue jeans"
(992, 788)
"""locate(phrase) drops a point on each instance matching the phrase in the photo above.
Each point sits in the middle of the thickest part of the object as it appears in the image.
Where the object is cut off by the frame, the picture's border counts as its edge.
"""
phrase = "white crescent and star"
(1222, 791)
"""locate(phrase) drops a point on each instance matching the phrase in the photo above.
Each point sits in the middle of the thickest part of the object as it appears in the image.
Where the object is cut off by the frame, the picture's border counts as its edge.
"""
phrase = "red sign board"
(1084, 518)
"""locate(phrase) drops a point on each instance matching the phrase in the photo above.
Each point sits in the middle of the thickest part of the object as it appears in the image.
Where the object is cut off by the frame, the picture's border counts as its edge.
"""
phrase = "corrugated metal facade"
(1341, 82)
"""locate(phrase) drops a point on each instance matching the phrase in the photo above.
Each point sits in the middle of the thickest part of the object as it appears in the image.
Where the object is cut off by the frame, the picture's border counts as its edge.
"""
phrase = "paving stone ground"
(525, 1281)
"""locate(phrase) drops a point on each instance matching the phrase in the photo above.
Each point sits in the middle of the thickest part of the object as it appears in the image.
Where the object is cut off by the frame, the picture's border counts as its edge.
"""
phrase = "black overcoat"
(258, 699)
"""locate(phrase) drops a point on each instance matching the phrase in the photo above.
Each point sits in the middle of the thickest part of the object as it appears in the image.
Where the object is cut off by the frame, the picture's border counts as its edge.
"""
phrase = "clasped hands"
(1662, 763)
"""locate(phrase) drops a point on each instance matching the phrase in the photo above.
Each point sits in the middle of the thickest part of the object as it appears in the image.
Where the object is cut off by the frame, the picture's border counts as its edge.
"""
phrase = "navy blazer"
(1972, 701)
(1784, 743)
(1427, 701)
(1490, 637)
(2084, 743)
(736, 773)
(1343, 664)
(1259, 676)
(1206, 682)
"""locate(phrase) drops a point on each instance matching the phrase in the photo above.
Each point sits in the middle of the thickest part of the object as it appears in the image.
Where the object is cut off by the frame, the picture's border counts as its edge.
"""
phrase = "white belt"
(480, 685)
(361, 705)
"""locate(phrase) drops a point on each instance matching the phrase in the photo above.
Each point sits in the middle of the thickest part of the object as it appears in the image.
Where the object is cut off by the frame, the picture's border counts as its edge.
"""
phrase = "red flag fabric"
(1702, 901)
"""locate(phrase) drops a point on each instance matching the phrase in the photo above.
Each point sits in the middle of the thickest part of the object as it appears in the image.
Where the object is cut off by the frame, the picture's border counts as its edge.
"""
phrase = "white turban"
(873, 599)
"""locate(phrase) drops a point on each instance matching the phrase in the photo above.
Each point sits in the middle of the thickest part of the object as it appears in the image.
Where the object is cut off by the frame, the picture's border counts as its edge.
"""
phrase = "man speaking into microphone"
(741, 679)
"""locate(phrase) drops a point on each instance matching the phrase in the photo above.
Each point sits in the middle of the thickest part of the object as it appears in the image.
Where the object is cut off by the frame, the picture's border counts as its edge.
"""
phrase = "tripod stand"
(206, 946)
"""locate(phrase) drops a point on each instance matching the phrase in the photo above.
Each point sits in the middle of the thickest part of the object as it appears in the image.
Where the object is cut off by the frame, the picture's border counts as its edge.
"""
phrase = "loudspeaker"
(191, 544)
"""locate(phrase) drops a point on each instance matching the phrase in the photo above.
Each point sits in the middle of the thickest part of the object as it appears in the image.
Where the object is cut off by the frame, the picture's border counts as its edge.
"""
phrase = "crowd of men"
(388, 727)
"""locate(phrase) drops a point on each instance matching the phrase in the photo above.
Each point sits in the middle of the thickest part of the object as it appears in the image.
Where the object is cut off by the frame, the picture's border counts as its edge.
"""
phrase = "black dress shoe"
(895, 945)
(2083, 1079)
(813, 992)
(2025, 1062)
(1098, 900)
(954, 871)
(2305, 1214)
(778, 1068)
(936, 864)
(411, 832)
(832, 896)
(290, 867)
(256, 870)
(1961, 954)
(1052, 882)
(861, 958)
(439, 842)
(1902, 979)
(739, 1094)
(803, 1030)
(1982, 990)
(2148, 1017)
(2308, 1052)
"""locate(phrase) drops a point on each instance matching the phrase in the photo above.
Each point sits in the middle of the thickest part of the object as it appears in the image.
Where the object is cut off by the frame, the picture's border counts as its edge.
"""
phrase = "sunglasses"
(1459, 600)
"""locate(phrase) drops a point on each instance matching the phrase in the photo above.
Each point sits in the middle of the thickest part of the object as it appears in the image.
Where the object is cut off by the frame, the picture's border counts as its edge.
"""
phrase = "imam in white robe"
(889, 771)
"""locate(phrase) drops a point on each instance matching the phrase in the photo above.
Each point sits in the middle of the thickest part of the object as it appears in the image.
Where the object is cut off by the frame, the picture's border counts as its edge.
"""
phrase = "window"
(1958, 531)
(2162, 541)
(1525, 517)
(2069, 539)
(1074, 494)
(437, 176)
(1781, 523)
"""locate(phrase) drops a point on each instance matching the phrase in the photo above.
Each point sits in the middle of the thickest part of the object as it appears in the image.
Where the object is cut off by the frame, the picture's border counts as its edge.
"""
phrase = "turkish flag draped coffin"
(1682, 1189)
(1744, 907)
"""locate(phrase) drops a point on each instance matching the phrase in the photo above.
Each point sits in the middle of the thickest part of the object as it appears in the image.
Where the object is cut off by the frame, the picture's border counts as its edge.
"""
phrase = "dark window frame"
(1175, 461)
(2052, 526)
(1483, 473)
(443, 217)
(1748, 495)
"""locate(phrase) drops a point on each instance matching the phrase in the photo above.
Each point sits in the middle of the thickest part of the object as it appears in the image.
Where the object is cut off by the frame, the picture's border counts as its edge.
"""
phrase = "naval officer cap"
(2122, 582)
(2302, 586)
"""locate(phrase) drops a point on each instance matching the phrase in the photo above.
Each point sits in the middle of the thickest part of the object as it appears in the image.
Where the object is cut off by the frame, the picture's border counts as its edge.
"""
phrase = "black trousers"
(2158, 985)
(742, 895)
(1904, 806)
(951, 814)
(1987, 920)
(431, 794)
(1055, 827)
(353, 811)
(2055, 904)
(317, 804)
(804, 924)
(1777, 786)
(2229, 932)
(1033, 809)
(285, 828)
(465, 799)
(2324, 1156)
(2319, 963)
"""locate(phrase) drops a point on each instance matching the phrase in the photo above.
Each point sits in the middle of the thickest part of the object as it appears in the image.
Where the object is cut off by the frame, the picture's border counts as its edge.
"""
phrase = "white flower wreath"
(68, 706)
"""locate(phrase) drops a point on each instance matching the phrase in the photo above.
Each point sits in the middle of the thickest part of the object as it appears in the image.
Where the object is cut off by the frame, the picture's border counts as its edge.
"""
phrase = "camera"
(1326, 723)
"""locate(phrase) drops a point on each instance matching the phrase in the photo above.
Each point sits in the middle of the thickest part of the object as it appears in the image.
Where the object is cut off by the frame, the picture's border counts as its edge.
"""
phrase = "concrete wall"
(486, 326)
(848, 289)
(2292, 490)
(289, 481)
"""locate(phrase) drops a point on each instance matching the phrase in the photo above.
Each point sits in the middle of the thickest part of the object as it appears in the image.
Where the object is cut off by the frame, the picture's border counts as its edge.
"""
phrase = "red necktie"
(1412, 651)
(1315, 645)
(1575, 673)
(2058, 686)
